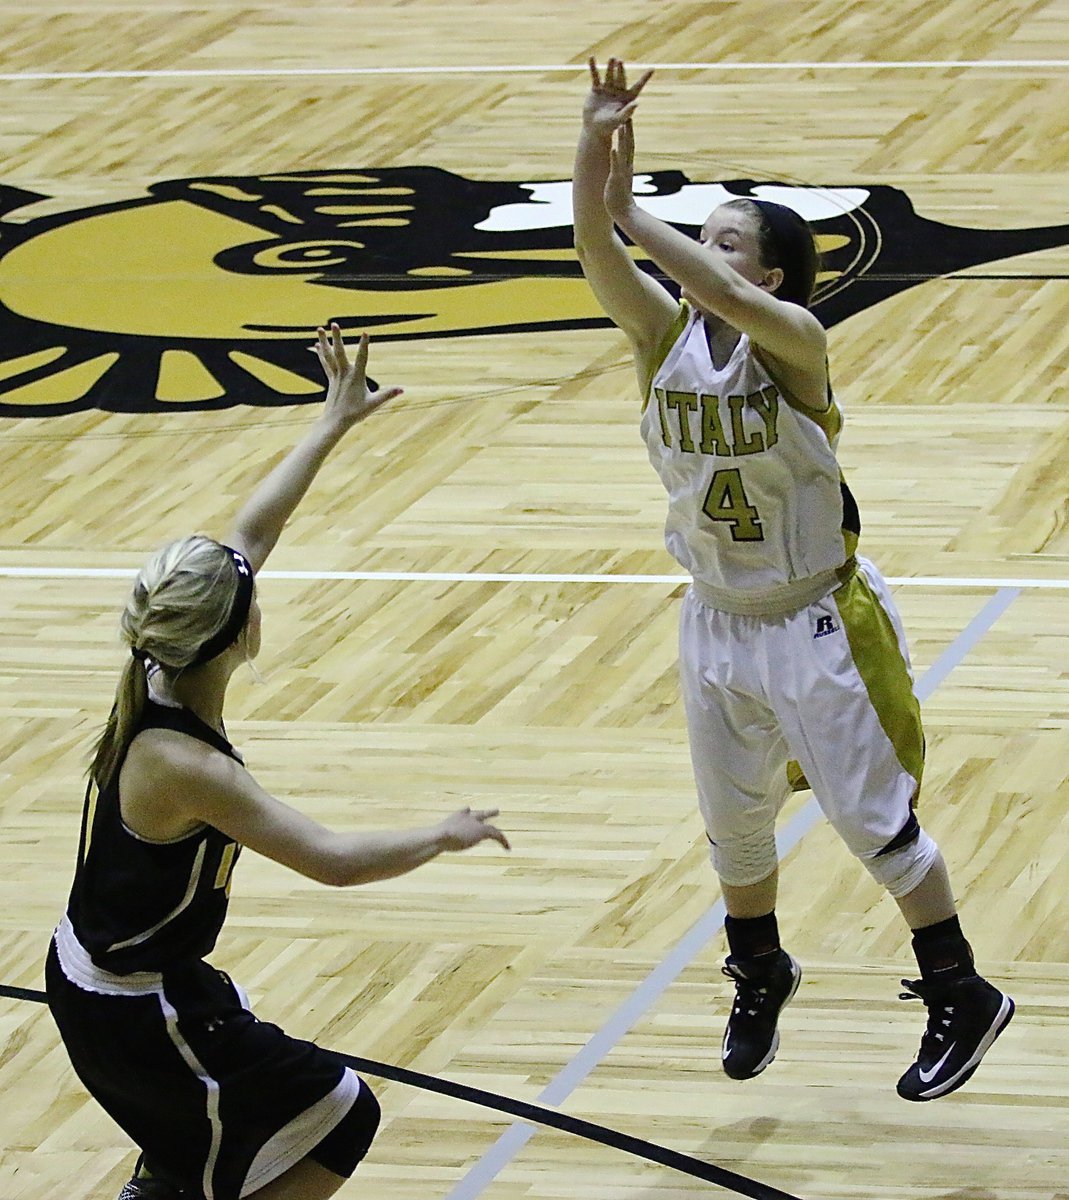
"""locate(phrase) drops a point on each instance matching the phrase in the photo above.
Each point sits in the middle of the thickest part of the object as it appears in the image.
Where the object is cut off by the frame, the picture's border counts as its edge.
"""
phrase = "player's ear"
(773, 280)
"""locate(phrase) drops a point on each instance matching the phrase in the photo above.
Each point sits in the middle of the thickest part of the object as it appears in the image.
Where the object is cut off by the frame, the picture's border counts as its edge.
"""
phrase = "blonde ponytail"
(130, 697)
(182, 597)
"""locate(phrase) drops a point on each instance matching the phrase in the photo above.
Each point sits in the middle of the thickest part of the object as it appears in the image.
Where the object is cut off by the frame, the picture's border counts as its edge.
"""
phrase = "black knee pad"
(343, 1149)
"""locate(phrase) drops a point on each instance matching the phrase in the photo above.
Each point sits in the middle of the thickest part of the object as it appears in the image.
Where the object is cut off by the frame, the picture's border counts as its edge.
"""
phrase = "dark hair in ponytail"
(786, 241)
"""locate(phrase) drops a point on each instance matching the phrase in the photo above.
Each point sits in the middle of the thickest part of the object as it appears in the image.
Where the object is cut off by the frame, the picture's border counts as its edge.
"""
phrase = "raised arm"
(639, 305)
(789, 333)
(258, 525)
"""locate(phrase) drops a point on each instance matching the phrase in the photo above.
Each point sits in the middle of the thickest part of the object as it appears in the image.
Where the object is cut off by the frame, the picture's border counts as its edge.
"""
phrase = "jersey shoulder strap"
(182, 720)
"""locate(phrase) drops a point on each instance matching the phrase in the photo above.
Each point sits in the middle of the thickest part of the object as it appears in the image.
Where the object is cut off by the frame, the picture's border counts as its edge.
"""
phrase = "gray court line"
(694, 941)
(965, 641)
(512, 1141)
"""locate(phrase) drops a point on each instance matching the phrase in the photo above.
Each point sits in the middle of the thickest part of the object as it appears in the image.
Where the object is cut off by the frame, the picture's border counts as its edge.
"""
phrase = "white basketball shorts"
(829, 686)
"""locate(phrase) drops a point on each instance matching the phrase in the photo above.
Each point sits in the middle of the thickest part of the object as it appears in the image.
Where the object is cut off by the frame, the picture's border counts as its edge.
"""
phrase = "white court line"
(996, 64)
(932, 581)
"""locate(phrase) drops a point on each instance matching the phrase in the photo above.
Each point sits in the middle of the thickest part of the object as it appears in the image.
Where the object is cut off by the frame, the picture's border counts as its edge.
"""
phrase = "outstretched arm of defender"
(639, 305)
(348, 401)
(192, 784)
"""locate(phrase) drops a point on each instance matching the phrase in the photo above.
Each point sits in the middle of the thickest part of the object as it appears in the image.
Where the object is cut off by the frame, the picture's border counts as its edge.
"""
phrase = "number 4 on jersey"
(726, 500)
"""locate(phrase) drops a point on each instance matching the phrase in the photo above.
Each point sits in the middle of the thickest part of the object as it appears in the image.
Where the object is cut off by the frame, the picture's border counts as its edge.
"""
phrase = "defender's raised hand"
(348, 399)
(610, 102)
(257, 526)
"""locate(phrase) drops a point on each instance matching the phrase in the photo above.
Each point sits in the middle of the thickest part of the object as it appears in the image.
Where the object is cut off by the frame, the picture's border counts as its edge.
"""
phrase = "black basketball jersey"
(138, 905)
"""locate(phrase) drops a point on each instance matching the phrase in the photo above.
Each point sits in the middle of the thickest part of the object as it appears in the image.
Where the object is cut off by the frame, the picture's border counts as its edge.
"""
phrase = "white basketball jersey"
(755, 496)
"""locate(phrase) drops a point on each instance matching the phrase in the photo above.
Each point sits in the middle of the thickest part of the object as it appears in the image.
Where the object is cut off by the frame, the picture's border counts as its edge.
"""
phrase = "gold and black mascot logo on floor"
(203, 295)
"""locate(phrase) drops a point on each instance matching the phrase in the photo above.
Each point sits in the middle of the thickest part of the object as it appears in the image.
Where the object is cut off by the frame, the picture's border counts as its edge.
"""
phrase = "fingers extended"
(634, 90)
(337, 341)
(361, 353)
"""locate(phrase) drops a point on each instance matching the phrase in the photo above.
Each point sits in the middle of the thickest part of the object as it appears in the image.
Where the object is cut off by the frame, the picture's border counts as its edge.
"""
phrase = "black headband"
(239, 611)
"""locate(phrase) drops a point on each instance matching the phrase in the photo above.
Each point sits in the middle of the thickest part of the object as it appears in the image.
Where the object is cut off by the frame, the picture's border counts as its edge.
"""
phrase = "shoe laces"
(750, 994)
(940, 1011)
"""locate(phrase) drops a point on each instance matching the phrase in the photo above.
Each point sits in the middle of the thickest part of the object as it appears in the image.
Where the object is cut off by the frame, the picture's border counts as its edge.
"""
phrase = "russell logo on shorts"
(825, 625)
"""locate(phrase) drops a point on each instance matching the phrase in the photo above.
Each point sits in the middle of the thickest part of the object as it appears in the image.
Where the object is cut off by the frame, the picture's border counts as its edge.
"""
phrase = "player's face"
(731, 234)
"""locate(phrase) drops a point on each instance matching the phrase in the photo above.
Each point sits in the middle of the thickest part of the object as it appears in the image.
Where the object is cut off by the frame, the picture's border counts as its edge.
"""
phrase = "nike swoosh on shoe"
(928, 1076)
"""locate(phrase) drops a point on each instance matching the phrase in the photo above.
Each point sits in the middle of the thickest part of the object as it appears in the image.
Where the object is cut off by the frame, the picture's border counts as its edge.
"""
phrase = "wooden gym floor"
(474, 605)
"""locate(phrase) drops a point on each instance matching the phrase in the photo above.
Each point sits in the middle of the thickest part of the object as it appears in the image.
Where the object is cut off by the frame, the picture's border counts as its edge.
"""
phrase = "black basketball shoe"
(139, 1187)
(763, 986)
(964, 1018)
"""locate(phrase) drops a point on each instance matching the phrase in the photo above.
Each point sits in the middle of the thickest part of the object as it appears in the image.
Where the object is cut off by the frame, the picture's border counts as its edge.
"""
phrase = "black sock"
(750, 937)
(943, 954)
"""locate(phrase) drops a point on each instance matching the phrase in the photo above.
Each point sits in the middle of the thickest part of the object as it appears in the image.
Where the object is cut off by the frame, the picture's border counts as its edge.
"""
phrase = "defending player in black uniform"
(221, 1104)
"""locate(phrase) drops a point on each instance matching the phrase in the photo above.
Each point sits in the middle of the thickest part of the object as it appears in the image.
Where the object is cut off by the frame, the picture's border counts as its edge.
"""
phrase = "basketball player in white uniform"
(222, 1105)
(793, 660)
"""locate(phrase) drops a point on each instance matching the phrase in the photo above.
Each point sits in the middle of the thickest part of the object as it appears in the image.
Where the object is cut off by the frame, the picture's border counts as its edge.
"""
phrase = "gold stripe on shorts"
(874, 646)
